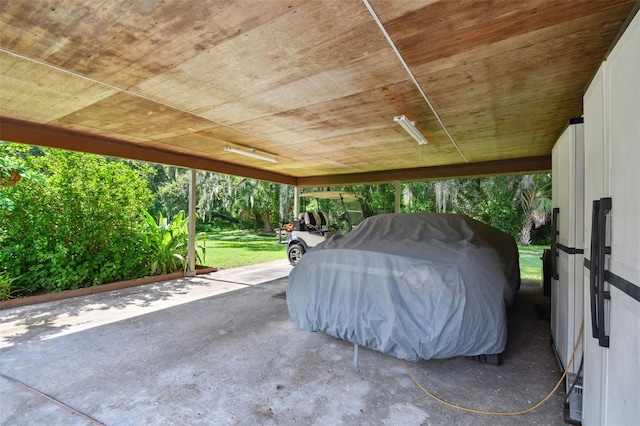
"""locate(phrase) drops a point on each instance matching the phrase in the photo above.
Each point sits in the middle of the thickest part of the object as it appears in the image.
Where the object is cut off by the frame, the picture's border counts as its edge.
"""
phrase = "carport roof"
(491, 84)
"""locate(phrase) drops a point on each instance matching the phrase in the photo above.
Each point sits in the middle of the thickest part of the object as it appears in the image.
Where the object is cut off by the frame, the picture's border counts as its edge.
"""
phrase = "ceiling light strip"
(409, 127)
(252, 154)
(415, 81)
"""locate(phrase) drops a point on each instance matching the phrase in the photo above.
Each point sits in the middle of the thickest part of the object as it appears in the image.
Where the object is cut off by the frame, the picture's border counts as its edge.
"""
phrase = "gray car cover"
(415, 285)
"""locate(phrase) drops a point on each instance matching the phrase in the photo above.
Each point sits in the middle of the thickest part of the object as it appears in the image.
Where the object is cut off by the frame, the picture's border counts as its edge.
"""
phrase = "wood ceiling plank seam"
(543, 52)
(342, 114)
(413, 78)
(48, 96)
(124, 90)
(88, 37)
(147, 98)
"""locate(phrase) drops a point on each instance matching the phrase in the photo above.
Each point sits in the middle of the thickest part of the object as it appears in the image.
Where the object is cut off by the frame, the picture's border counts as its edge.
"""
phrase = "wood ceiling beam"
(487, 168)
(44, 135)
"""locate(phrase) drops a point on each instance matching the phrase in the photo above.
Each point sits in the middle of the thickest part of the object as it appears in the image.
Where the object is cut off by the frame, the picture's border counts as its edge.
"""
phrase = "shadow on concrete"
(236, 358)
(46, 320)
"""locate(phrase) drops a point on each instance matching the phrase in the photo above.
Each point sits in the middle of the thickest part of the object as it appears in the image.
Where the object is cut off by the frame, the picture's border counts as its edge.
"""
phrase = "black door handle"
(603, 250)
(554, 243)
(599, 250)
(593, 270)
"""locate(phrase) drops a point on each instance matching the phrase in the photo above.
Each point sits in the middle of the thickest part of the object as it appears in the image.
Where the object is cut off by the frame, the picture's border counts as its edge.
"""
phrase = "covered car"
(415, 285)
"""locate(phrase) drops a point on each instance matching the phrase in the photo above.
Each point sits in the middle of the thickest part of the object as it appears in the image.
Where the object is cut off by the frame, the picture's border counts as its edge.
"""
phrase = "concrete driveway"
(220, 349)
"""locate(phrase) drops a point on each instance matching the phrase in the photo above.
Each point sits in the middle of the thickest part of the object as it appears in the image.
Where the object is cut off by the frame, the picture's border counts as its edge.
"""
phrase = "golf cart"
(314, 225)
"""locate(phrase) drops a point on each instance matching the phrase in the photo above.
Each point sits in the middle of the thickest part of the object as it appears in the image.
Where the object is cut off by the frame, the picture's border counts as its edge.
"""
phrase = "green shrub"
(166, 243)
(79, 227)
(8, 290)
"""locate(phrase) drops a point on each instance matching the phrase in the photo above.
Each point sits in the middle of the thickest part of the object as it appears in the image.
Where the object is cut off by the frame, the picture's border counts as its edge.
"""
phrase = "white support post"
(398, 194)
(296, 202)
(191, 268)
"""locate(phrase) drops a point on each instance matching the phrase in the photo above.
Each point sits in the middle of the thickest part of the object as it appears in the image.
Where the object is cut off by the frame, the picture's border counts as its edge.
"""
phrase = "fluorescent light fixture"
(410, 127)
(252, 154)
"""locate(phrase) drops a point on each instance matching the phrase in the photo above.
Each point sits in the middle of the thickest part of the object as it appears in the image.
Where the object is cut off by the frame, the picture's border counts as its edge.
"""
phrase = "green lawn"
(231, 248)
(530, 262)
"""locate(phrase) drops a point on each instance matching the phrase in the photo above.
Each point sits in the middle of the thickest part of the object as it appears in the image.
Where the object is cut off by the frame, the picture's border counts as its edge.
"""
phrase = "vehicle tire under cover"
(492, 359)
(294, 253)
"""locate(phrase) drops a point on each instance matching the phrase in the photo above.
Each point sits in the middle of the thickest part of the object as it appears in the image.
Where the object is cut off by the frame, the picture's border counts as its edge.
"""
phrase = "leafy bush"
(12, 170)
(166, 243)
(7, 289)
(79, 227)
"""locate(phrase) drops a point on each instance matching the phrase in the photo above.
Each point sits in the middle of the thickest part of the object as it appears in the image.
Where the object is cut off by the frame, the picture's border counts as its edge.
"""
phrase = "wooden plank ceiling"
(315, 83)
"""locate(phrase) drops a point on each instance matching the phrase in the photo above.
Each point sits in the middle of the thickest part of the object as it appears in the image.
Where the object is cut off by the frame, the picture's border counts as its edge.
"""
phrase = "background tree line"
(519, 205)
(77, 220)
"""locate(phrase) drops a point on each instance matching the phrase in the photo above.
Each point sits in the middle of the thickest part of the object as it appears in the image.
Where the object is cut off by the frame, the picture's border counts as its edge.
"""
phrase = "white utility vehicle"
(313, 227)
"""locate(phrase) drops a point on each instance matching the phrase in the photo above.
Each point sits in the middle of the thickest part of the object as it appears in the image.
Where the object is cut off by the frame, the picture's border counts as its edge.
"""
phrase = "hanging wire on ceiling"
(413, 78)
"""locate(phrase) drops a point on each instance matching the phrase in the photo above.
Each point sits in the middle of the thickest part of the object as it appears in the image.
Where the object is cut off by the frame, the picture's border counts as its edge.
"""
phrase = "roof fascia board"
(488, 168)
(44, 135)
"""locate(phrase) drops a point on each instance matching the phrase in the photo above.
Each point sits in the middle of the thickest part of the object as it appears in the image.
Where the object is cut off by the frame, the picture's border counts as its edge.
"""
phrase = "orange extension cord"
(494, 413)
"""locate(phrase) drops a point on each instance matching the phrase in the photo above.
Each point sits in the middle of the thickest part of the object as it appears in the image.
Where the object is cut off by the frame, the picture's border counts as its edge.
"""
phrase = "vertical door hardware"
(555, 231)
(599, 249)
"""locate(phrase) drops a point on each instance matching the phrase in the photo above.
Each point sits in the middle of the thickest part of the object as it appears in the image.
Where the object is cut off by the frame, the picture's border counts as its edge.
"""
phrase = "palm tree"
(535, 200)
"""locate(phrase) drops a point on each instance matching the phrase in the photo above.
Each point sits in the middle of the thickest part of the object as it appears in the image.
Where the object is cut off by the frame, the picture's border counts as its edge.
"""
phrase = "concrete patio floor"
(219, 349)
